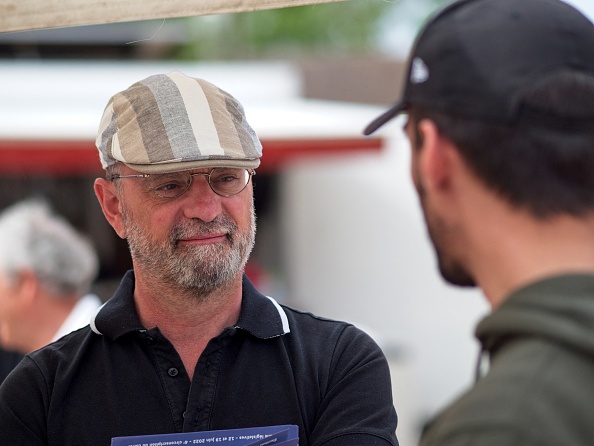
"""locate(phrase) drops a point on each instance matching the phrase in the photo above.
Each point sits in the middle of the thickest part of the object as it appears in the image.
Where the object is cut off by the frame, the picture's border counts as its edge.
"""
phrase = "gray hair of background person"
(34, 238)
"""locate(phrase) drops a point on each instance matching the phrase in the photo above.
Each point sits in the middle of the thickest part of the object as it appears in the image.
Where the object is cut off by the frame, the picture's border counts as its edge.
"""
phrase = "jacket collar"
(558, 308)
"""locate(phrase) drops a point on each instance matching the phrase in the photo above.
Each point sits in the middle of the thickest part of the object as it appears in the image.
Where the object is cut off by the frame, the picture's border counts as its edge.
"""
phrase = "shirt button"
(172, 372)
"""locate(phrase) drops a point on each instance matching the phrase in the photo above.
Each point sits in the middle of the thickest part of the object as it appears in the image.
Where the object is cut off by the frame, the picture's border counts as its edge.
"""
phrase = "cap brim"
(385, 117)
(198, 164)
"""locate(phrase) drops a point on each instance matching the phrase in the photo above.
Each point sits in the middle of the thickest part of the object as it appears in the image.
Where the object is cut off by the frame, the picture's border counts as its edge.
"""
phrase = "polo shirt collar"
(261, 316)
(118, 315)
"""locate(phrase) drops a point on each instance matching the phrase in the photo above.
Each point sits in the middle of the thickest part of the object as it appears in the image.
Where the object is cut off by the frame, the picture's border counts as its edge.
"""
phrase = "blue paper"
(281, 435)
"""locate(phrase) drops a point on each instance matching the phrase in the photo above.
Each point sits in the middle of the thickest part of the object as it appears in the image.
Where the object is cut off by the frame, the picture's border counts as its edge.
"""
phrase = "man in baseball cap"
(499, 99)
(187, 343)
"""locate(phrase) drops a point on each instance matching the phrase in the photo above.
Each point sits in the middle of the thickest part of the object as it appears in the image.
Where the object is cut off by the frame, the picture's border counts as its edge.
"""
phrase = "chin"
(456, 275)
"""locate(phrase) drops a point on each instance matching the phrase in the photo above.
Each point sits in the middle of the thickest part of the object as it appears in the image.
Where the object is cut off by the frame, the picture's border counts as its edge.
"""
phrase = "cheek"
(245, 216)
(414, 172)
(239, 207)
(8, 309)
(5, 297)
(151, 219)
(159, 223)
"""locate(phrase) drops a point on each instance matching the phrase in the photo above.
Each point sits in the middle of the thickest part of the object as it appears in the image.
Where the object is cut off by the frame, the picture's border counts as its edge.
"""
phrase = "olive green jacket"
(539, 389)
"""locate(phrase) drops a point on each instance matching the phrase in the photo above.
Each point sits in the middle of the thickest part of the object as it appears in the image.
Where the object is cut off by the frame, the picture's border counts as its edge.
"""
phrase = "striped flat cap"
(172, 122)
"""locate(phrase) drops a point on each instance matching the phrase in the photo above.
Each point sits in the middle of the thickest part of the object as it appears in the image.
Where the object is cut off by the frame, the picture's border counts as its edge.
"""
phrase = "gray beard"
(198, 269)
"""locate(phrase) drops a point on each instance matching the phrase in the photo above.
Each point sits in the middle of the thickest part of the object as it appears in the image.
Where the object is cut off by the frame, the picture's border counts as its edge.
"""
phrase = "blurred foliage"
(342, 27)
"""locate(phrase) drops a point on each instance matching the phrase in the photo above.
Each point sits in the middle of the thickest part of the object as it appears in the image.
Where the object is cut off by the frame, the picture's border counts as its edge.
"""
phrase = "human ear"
(26, 286)
(110, 205)
(434, 166)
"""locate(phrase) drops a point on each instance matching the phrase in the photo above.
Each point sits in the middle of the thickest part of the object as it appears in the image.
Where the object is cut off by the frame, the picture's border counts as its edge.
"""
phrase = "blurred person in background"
(46, 271)
(187, 343)
(500, 105)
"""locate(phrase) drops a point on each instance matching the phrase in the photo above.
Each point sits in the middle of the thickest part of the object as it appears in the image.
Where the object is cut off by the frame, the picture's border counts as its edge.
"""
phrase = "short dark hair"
(544, 164)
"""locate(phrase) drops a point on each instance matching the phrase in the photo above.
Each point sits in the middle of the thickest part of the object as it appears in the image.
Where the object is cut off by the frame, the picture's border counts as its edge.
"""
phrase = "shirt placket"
(203, 390)
(174, 378)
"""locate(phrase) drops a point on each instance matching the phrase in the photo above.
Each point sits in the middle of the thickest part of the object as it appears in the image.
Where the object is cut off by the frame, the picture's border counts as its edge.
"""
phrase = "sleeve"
(357, 407)
(24, 401)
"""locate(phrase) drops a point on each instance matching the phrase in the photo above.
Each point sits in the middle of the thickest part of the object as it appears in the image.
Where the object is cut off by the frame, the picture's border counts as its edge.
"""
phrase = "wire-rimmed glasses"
(224, 181)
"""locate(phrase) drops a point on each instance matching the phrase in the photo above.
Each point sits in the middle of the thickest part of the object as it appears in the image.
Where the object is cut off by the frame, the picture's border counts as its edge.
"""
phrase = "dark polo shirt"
(276, 366)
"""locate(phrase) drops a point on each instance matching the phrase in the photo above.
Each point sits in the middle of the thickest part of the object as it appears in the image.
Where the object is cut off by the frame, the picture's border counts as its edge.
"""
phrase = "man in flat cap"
(187, 343)
(500, 105)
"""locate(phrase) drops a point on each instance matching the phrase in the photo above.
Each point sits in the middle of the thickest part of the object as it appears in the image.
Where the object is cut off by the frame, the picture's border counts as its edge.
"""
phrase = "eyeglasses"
(223, 181)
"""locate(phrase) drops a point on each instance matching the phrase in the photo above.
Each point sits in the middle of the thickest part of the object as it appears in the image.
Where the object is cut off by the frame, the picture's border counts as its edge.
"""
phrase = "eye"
(225, 176)
(169, 185)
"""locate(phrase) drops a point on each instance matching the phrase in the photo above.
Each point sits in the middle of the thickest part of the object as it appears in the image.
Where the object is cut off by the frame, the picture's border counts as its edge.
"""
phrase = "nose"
(200, 201)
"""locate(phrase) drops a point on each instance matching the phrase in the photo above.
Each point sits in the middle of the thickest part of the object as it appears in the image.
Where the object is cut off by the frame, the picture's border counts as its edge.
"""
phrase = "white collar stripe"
(92, 323)
(282, 314)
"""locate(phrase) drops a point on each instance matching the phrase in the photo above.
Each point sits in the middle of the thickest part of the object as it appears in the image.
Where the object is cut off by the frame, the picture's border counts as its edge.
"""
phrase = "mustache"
(196, 227)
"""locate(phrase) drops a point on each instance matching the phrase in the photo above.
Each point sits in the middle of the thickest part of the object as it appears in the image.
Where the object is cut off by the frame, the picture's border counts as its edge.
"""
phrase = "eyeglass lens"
(223, 181)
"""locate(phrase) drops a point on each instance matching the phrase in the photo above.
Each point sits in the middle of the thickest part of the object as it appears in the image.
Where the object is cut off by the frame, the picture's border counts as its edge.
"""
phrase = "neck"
(51, 313)
(514, 250)
(189, 321)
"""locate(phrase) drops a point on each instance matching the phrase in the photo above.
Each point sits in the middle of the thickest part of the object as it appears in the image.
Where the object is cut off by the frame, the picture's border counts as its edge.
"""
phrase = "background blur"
(340, 232)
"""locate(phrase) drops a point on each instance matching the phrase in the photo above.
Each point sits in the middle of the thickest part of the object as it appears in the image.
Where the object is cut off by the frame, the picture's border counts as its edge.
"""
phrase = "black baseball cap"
(475, 58)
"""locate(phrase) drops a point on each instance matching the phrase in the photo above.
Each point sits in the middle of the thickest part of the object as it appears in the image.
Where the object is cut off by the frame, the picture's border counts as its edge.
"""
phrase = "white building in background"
(343, 236)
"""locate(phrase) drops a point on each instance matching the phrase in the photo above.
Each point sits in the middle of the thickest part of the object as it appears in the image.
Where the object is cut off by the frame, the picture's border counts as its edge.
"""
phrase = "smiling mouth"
(196, 233)
(204, 239)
